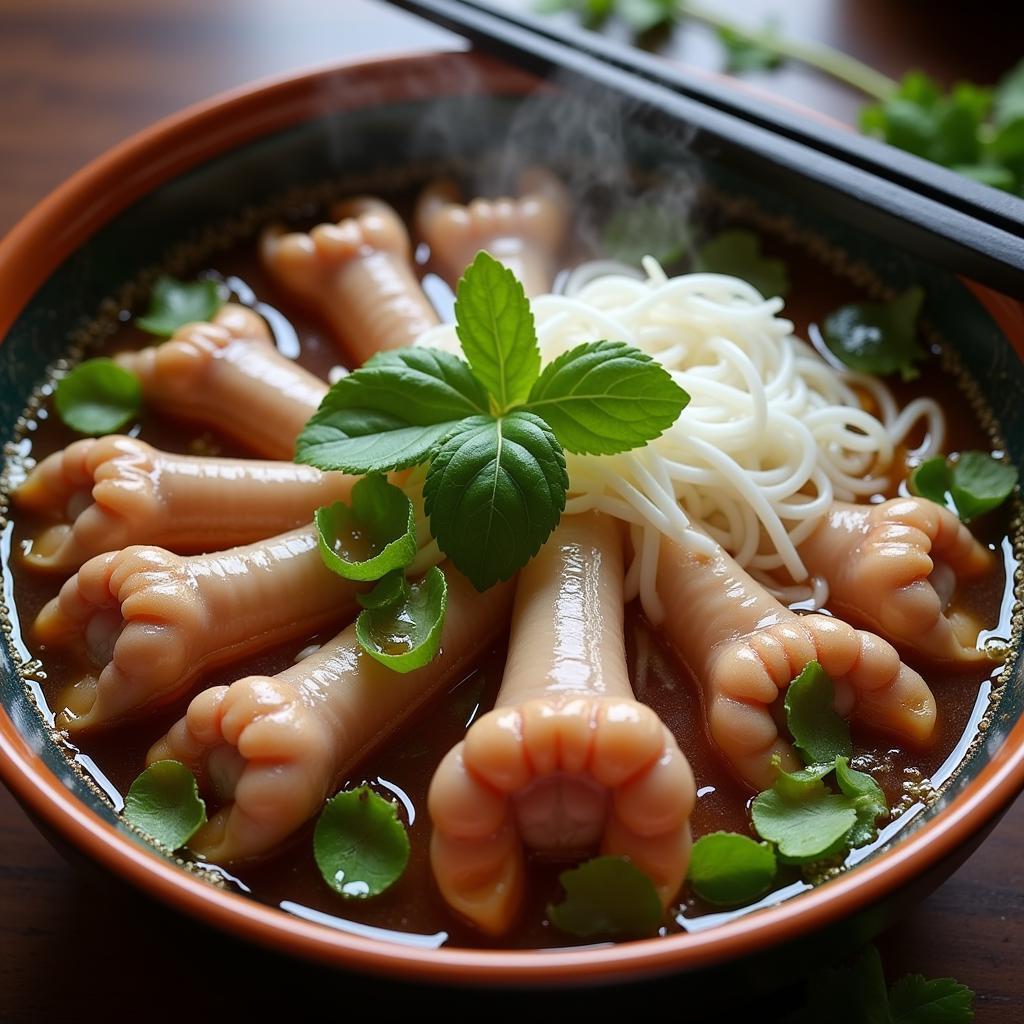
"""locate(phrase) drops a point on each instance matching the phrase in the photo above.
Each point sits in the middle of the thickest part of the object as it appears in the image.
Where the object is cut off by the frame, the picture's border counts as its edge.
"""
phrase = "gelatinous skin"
(746, 648)
(270, 749)
(149, 622)
(356, 274)
(524, 233)
(568, 760)
(227, 374)
(106, 493)
(886, 565)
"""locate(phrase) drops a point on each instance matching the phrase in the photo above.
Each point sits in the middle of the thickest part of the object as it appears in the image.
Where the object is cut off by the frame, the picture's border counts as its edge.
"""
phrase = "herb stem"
(816, 55)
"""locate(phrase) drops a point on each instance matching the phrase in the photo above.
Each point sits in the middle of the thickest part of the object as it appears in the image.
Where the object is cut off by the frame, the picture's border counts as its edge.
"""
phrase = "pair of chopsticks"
(949, 220)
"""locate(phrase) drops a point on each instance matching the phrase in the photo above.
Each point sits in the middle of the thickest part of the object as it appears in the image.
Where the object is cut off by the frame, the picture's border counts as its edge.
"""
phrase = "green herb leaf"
(605, 397)
(913, 1000)
(868, 800)
(164, 803)
(746, 54)
(930, 480)
(819, 733)
(728, 869)
(644, 230)
(175, 303)
(390, 589)
(980, 483)
(878, 337)
(98, 397)
(494, 323)
(853, 994)
(391, 413)
(370, 537)
(607, 897)
(406, 634)
(494, 492)
(803, 819)
(360, 846)
(738, 254)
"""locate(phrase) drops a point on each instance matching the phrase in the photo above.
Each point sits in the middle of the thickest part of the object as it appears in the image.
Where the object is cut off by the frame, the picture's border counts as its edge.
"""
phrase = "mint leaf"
(930, 480)
(494, 492)
(738, 254)
(405, 634)
(728, 869)
(175, 303)
(878, 337)
(98, 397)
(374, 535)
(803, 819)
(607, 897)
(494, 323)
(390, 589)
(868, 800)
(746, 54)
(980, 483)
(391, 413)
(164, 803)
(913, 1000)
(605, 397)
(360, 846)
(819, 733)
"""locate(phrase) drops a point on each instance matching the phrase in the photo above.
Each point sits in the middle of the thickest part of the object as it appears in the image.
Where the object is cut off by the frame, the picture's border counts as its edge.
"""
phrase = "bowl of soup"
(743, 679)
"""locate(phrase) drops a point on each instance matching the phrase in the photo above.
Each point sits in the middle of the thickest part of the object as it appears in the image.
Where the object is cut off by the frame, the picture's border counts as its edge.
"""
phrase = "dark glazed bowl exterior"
(89, 238)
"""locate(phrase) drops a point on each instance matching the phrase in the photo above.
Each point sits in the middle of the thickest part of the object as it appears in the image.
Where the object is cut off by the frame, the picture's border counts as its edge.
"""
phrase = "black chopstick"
(942, 217)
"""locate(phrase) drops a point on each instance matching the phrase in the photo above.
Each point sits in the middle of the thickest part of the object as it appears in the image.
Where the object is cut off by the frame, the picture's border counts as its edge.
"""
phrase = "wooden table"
(77, 76)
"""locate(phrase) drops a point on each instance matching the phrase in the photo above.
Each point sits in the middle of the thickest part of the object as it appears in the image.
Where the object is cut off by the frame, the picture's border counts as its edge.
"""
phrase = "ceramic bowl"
(224, 161)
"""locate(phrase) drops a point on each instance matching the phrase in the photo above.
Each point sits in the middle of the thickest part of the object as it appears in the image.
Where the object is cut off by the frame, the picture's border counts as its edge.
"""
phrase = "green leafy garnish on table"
(607, 898)
(98, 397)
(164, 803)
(975, 482)
(819, 733)
(360, 846)
(492, 430)
(738, 253)
(174, 303)
(878, 337)
(729, 869)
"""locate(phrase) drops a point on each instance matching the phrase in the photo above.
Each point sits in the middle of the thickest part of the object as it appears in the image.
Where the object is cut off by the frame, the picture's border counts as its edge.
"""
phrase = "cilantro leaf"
(494, 492)
(605, 397)
(370, 537)
(913, 1000)
(391, 413)
(746, 54)
(727, 868)
(868, 799)
(98, 397)
(494, 323)
(175, 303)
(819, 733)
(980, 483)
(738, 253)
(930, 480)
(607, 897)
(360, 846)
(405, 634)
(164, 803)
(390, 588)
(878, 337)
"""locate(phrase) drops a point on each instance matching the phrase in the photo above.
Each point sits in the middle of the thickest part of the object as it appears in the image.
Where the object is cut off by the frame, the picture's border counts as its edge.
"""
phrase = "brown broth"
(403, 769)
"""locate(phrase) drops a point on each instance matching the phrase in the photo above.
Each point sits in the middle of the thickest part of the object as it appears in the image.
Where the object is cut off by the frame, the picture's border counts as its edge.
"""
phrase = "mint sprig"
(492, 430)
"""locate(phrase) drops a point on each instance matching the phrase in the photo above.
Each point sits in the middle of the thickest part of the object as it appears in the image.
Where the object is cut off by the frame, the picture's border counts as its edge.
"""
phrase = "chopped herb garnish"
(868, 801)
(819, 733)
(738, 254)
(607, 898)
(405, 633)
(175, 303)
(98, 397)
(360, 846)
(164, 802)
(976, 482)
(878, 337)
(729, 869)
(370, 537)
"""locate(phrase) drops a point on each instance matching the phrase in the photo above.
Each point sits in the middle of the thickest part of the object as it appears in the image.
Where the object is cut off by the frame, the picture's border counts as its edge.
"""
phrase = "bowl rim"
(41, 241)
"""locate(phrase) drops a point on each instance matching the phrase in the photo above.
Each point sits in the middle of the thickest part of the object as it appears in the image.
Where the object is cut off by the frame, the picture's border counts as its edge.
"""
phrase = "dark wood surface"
(77, 76)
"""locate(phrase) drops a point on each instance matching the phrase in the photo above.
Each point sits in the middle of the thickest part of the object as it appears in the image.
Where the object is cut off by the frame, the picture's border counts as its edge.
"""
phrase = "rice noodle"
(773, 433)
